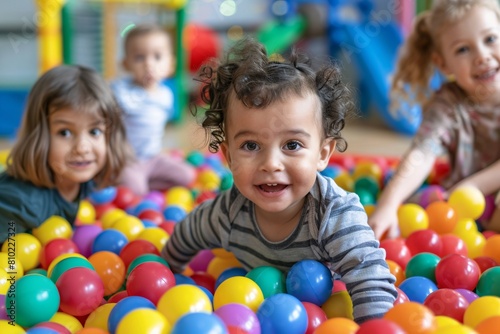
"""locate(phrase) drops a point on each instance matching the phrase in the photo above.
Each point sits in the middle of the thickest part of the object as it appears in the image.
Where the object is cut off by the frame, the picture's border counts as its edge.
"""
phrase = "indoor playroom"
(263, 166)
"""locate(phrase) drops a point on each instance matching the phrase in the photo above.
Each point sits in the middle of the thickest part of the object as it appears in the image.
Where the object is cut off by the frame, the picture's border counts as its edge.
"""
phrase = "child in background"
(462, 119)
(71, 140)
(277, 124)
(148, 104)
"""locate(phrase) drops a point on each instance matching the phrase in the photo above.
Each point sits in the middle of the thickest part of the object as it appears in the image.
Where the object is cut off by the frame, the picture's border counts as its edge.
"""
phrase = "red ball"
(447, 302)
(150, 280)
(315, 316)
(124, 197)
(57, 327)
(379, 326)
(100, 209)
(205, 280)
(397, 251)
(452, 244)
(422, 241)
(135, 248)
(54, 248)
(118, 296)
(202, 44)
(456, 271)
(485, 262)
(401, 298)
(168, 226)
(152, 215)
(81, 291)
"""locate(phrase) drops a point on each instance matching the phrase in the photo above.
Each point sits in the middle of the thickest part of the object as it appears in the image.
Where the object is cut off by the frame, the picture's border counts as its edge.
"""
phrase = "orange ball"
(488, 326)
(442, 217)
(492, 247)
(337, 326)
(413, 317)
(111, 270)
(397, 271)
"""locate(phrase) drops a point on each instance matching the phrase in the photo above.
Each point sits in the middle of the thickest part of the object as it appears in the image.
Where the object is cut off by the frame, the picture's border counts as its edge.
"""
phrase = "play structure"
(358, 33)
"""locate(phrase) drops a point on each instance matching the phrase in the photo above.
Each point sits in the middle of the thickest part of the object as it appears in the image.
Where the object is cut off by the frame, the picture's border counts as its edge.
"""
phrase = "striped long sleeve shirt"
(333, 229)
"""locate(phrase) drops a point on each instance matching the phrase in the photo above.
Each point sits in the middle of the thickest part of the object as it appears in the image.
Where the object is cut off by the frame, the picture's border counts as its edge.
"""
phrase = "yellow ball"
(480, 309)
(86, 212)
(59, 259)
(468, 202)
(208, 180)
(180, 196)
(143, 320)
(182, 299)
(238, 289)
(367, 168)
(4, 283)
(11, 265)
(129, 225)
(68, 321)
(218, 264)
(344, 181)
(7, 327)
(99, 317)
(27, 249)
(411, 218)
(111, 216)
(175, 4)
(156, 235)
(52, 228)
(338, 305)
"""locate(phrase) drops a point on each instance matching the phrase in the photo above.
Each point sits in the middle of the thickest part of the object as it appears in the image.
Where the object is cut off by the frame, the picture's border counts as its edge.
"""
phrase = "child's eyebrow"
(292, 132)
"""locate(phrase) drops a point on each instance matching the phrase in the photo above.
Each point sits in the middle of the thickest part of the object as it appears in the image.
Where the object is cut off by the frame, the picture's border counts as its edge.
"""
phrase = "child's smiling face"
(274, 152)
(470, 50)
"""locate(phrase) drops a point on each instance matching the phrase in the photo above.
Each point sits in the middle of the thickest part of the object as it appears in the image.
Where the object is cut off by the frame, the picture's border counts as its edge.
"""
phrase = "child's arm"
(411, 173)
(486, 180)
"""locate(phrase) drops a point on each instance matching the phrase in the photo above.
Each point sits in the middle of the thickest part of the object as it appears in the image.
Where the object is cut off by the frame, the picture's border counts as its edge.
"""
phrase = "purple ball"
(201, 260)
(469, 295)
(156, 197)
(430, 194)
(239, 315)
(84, 236)
(3, 310)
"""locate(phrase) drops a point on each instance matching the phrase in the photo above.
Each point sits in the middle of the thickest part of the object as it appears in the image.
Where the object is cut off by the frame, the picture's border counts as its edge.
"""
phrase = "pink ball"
(201, 260)
(239, 315)
(156, 197)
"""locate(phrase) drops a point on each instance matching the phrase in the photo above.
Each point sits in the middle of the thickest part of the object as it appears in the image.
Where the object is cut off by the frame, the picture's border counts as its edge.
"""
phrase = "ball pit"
(446, 268)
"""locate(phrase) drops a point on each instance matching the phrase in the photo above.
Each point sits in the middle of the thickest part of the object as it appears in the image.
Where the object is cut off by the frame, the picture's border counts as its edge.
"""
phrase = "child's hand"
(384, 220)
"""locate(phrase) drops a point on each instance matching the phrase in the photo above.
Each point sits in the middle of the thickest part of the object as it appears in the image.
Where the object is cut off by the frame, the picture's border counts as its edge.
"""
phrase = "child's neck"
(68, 191)
(278, 226)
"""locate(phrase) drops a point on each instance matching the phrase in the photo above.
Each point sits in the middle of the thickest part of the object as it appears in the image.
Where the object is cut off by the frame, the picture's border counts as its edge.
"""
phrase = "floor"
(364, 137)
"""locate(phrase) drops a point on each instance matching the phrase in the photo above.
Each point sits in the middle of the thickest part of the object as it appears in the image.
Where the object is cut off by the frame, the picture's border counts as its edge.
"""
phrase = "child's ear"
(225, 152)
(326, 152)
(125, 64)
(438, 60)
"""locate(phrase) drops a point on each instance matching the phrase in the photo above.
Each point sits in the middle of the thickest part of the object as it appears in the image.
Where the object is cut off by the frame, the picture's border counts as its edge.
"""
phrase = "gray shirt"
(333, 229)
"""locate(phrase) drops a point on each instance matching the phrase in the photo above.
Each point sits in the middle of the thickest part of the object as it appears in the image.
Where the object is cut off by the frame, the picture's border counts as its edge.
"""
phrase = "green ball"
(38, 271)
(67, 264)
(32, 299)
(489, 283)
(195, 158)
(365, 197)
(423, 264)
(226, 181)
(146, 258)
(270, 280)
(368, 184)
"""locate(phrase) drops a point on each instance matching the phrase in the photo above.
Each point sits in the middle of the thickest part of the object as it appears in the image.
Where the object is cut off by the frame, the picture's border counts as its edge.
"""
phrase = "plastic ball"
(111, 270)
(379, 326)
(201, 260)
(32, 292)
(238, 289)
(367, 183)
(27, 249)
(202, 44)
(10, 265)
(3, 309)
(116, 297)
(52, 228)
(485, 263)
(424, 265)
(239, 316)
(130, 226)
(84, 236)
(468, 202)
(102, 196)
(430, 194)
(81, 291)
(52, 326)
(456, 271)
(412, 317)
(218, 264)
(180, 196)
(54, 248)
(136, 248)
(270, 280)
(124, 197)
(492, 248)
(282, 313)
(182, 299)
(345, 181)
(401, 298)
(145, 258)
(155, 235)
(60, 258)
(150, 280)
(230, 272)
(66, 264)
(151, 215)
(99, 317)
(111, 216)
(447, 302)
(68, 321)
(424, 241)
(208, 180)
(417, 288)
(125, 306)
(157, 197)
(339, 304)
(205, 280)
(397, 271)
(488, 326)
(174, 213)
(143, 320)
(489, 283)
(367, 168)
(337, 325)
(86, 212)
(481, 309)
(109, 240)
(309, 281)
(452, 245)
(199, 322)
(315, 317)
(92, 331)
(7, 327)
(442, 217)
(397, 251)
(411, 218)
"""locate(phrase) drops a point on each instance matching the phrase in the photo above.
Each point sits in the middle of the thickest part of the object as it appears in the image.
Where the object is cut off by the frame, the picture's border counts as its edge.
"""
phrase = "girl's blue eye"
(96, 132)
(250, 146)
(292, 146)
(64, 133)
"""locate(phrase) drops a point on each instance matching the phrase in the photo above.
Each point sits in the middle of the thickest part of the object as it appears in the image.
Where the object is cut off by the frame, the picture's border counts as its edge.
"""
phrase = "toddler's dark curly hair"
(257, 81)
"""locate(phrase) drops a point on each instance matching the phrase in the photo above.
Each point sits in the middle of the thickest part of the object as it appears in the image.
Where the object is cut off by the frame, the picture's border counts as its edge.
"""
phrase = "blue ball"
(174, 213)
(103, 196)
(183, 279)
(41, 330)
(208, 293)
(417, 288)
(123, 307)
(148, 223)
(282, 313)
(144, 205)
(310, 281)
(110, 240)
(199, 323)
